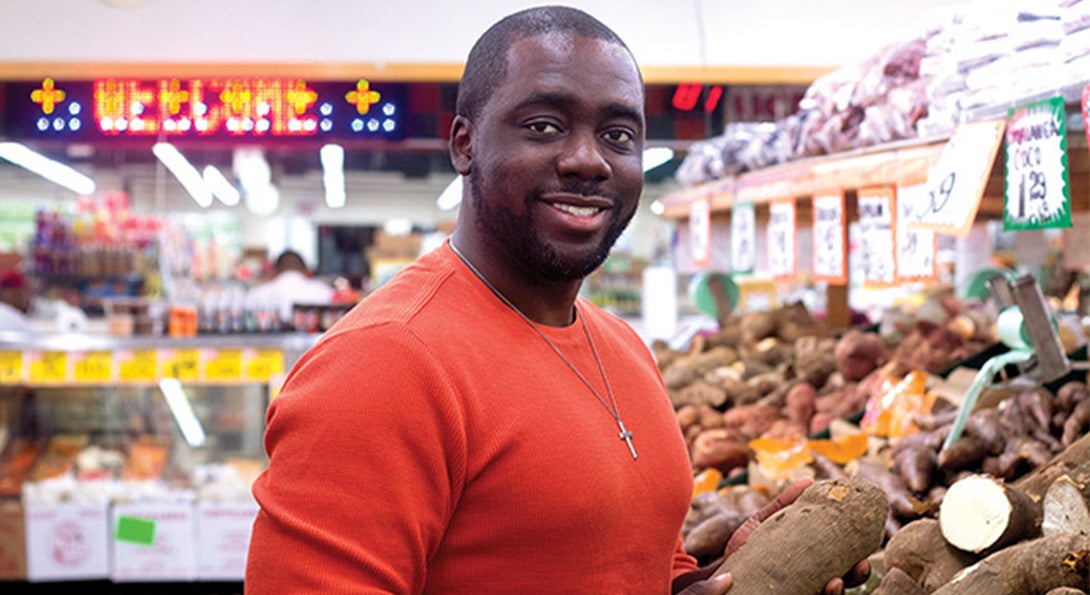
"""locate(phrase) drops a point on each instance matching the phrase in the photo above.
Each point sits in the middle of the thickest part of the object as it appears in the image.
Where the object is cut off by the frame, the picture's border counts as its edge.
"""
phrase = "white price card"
(700, 229)
(956, 183)
(1086, 111)
(876, 224)
(743, 238)
(915, 247)
(830, 244)
(782, 251)
(1038, 194)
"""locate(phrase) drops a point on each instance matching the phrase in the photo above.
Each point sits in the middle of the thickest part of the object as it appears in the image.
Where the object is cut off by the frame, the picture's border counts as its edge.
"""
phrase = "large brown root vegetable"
(981, 514)
(833, 525)
(1067, 503)
(921, 552)
(897, 582)
(1033, 566)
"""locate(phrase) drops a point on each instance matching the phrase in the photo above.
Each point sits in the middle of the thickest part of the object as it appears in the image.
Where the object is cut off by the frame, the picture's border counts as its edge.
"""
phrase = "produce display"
(773, 396)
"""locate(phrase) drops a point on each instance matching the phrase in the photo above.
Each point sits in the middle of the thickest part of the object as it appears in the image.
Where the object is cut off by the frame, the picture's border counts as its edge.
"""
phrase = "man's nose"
(583, 158)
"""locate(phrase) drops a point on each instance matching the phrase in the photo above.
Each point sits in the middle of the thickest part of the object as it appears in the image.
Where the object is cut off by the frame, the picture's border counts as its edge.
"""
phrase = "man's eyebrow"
(612, 110)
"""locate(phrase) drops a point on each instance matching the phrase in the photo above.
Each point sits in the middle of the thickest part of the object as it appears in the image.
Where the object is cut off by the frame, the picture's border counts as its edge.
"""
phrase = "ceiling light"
(184, 171)
(182, 411)
(220, 186)
(54, 171)
(332, 157)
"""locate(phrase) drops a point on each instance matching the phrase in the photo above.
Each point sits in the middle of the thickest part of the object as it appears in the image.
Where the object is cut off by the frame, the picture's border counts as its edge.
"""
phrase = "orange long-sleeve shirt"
(432, 442)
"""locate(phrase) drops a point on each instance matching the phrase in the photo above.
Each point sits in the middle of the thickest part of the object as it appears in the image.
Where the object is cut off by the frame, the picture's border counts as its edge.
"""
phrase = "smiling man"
(474, 426)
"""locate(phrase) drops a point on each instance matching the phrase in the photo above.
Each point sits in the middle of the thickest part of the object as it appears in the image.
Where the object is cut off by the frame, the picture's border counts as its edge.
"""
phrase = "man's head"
(549, 132)
(289, 260)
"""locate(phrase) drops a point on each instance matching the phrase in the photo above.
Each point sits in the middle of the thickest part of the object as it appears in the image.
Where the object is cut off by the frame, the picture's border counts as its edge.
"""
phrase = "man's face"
(557, 154)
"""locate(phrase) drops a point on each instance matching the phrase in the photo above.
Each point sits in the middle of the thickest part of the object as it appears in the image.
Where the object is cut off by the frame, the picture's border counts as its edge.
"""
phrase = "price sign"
(93, 367)
(700, 229)
(11, 367)
(956, 184)
(1038, 193)
(263, 364)
(181, 364)
(137, 365)
(223, 365)
(830, 231)
(876, 223)
(782, 229)
(48, 367)
(915, 247)
(743, 238)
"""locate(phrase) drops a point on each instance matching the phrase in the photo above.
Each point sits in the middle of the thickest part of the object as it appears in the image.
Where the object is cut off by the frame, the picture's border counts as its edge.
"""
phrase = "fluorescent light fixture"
(451, 196)
(332, 157)
(398, 227)
(263, 201)
(54, 171)
(656, 156)
(255, 175)
(184, 171)
(182, 410)
(220, 186)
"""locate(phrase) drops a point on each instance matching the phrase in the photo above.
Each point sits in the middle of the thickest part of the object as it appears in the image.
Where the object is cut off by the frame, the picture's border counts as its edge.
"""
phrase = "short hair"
(290, 260)
(486, 66)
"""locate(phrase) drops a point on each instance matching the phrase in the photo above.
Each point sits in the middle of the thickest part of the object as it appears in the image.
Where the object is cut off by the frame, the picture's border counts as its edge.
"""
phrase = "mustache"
(587, 188)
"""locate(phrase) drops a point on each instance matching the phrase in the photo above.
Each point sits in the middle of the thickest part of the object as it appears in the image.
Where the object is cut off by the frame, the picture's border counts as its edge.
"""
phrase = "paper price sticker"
(48, 367)
(956, 183)
(137, 366)
(1038, 194)
(223, 365)
(743, 238)
(830, 245)
(876, 223)
(915, 247)
(93, 367)
(11, 367)
(263, 364)
(700, 230)
(782, 229)
(181, 364)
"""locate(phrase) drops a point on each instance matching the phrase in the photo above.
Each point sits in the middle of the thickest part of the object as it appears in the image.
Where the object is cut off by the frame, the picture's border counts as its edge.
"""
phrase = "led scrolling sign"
(226, 107)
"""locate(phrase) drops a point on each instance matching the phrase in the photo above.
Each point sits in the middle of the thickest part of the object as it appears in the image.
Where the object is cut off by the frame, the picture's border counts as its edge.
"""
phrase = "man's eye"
(543, 127)
(618, 136)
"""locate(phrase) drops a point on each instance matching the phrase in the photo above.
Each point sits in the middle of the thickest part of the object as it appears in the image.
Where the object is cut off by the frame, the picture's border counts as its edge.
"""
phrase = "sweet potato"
(859, 353)
(790, 553)
(721, 449)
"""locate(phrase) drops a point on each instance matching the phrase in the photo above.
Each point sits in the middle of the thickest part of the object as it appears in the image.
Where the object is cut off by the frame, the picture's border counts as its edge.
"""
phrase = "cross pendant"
(627, 437)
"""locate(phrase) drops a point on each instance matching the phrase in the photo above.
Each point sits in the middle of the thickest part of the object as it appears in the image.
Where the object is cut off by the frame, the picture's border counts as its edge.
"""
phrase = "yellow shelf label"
(11, 367)
(137, 365)
(93, 367)
(223, 365)
(262, 364)
(49, 367)
(182, 364)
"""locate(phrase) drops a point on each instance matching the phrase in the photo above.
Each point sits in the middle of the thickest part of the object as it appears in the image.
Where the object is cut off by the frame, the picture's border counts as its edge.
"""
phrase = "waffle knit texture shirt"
(432, 442)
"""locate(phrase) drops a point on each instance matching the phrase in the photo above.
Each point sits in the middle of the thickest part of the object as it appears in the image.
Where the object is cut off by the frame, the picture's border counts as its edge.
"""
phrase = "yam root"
(859, 353)
(721, 449)
(981, 514)
(914, 460)
(920, 551)
(1032, 566)
(1079, 418)
(1036, 482)
(790, 553)
(901, 501)
(1067, 503)
(897, 582)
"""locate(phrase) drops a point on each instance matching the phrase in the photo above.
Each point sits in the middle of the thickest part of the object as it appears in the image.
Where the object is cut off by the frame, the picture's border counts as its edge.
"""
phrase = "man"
(291, 284)
(474, 426)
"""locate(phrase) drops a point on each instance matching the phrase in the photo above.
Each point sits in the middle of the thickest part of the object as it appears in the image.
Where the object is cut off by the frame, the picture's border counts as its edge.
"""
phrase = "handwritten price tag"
(743, 238)
(956, 184)
(223, 365)
(11, 367)
(263, 364)
(830, 254)
(1038, 194)
(137, 366)
(876, 222)
(700, 229)
(782, 228)
(181, 364)
(48, 367)
(915, 247)
(93, 367)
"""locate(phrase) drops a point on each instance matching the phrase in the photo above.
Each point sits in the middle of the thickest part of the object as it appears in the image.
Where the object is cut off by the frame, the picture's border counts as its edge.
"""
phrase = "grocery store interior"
(887, 203)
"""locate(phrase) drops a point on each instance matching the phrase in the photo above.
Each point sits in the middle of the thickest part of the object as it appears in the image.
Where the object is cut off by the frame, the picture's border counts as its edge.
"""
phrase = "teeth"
(577, 211)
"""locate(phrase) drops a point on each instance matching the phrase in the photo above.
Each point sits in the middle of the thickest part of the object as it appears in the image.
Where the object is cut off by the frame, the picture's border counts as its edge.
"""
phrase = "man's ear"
(461, 145)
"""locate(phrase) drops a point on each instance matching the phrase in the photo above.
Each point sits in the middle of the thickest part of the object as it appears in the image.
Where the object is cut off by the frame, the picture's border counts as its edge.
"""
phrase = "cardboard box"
(12, 541)
(223, 539)
(153, 541)
(67, 541)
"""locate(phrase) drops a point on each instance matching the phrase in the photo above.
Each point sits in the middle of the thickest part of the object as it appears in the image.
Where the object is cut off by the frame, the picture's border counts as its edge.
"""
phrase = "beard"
(518, 234)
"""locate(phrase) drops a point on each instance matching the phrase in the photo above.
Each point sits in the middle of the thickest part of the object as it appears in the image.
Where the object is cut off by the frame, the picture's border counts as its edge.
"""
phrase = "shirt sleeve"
(366, 456)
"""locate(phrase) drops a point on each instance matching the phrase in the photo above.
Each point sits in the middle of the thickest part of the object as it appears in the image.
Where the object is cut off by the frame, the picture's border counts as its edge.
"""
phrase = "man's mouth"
(575, 210)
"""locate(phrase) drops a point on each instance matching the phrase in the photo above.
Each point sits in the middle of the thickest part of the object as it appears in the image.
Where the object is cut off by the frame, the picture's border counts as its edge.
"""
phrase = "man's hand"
(697, 582)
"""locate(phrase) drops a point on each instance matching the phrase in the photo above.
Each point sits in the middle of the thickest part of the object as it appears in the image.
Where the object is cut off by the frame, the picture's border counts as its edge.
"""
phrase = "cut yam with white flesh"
(980, 514)
(1067, 503)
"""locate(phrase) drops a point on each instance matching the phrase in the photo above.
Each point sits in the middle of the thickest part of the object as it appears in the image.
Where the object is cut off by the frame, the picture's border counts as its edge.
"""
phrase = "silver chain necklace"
(614, 411)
